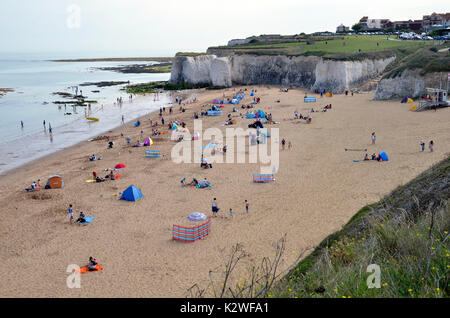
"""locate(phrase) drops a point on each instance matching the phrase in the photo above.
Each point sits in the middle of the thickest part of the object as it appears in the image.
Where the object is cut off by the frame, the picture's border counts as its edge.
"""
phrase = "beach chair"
(263, 178)
(153, 154)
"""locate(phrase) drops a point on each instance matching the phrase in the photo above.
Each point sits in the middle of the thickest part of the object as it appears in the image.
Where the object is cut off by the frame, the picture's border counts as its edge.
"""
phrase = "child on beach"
(373, 138)
(231, 212)
(70, 210)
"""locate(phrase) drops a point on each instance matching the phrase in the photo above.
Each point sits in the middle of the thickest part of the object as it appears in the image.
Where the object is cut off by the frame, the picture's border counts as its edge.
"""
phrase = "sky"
(109, 28)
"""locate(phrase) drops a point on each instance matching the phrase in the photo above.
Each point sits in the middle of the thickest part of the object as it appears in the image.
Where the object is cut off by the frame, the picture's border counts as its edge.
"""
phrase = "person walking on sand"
(231, 212)
(123, 119)
(374, 138)
(246, 206)
(70, 210)
(422, 144)
(214, 208)
(283, 143)
(431, 145)
(289, 145)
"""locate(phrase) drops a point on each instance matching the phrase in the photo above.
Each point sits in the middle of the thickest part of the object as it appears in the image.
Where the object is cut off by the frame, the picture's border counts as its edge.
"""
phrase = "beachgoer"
(373, 138)
(422, 144)
(246, 206)
(366, 157)
(283, 143)
(231, 212)
(92, 263)
(289, 145)
(431, 145)
(214, 207)
(70, 210)
(81, 218)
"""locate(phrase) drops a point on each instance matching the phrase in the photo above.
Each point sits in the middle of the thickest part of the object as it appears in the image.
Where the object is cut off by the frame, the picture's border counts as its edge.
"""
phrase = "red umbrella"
(120, 166)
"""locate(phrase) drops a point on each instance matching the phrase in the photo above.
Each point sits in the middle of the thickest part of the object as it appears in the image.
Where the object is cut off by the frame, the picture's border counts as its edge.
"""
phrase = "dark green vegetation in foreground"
(428, 60)
(406, 234)
(153, 87)
(355, 47)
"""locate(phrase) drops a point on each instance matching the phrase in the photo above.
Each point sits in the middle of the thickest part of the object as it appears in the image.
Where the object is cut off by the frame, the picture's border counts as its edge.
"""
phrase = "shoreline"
(110, 130)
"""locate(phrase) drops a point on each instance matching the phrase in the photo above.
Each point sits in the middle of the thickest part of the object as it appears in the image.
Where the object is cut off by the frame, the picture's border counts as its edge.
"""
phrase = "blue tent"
(132, 194)
(384, 156)
(252, 94)
(137, 123)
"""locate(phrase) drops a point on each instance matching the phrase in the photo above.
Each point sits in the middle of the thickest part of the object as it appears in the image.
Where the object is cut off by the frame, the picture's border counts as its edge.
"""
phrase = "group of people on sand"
(35, 186)
(215, 209)
(109, 176)
(81, 218)
(194, 183)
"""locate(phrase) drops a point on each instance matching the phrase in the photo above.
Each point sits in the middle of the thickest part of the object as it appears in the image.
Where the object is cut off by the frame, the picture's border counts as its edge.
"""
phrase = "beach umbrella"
(120, 166)
(197, 216)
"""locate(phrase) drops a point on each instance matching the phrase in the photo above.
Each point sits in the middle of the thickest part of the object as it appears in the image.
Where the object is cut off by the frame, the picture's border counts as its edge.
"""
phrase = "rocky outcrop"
(410, 83)
(310, 72)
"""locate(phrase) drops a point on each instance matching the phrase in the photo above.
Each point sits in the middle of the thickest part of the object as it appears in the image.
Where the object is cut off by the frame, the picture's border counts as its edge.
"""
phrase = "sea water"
(34, 80)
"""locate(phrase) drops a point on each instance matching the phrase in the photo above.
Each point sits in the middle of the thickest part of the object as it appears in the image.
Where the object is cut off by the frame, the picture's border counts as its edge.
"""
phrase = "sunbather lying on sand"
(92, 263)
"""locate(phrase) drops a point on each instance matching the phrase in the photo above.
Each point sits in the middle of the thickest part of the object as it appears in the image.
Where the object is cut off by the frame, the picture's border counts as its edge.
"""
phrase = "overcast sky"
(162, 28)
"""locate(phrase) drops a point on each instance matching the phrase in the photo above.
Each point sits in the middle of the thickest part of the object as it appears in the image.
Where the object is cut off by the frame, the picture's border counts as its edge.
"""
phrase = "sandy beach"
(318, 188)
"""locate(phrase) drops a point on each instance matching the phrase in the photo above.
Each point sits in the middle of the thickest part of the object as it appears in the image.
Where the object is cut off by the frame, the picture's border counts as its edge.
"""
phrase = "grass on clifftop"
(406, 235)
(355, 47)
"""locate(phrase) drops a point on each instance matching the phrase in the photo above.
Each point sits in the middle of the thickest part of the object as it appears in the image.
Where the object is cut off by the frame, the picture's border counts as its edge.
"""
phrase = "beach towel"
(85, 269)
(200, 187)
(88, 219)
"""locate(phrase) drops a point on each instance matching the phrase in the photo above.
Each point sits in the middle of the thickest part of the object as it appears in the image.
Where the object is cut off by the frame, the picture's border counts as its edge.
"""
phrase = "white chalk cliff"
(304, 71)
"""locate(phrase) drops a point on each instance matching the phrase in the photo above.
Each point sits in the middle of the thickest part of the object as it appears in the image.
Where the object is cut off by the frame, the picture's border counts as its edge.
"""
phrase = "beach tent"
(384, 156)
(55, 182)
(252, 94)
(263, 178)
(197, 216)
(152, 154)
(120, 166)
(409, 101)
(132, 194)
(137, 123)
(174, 127)
(148, 141)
